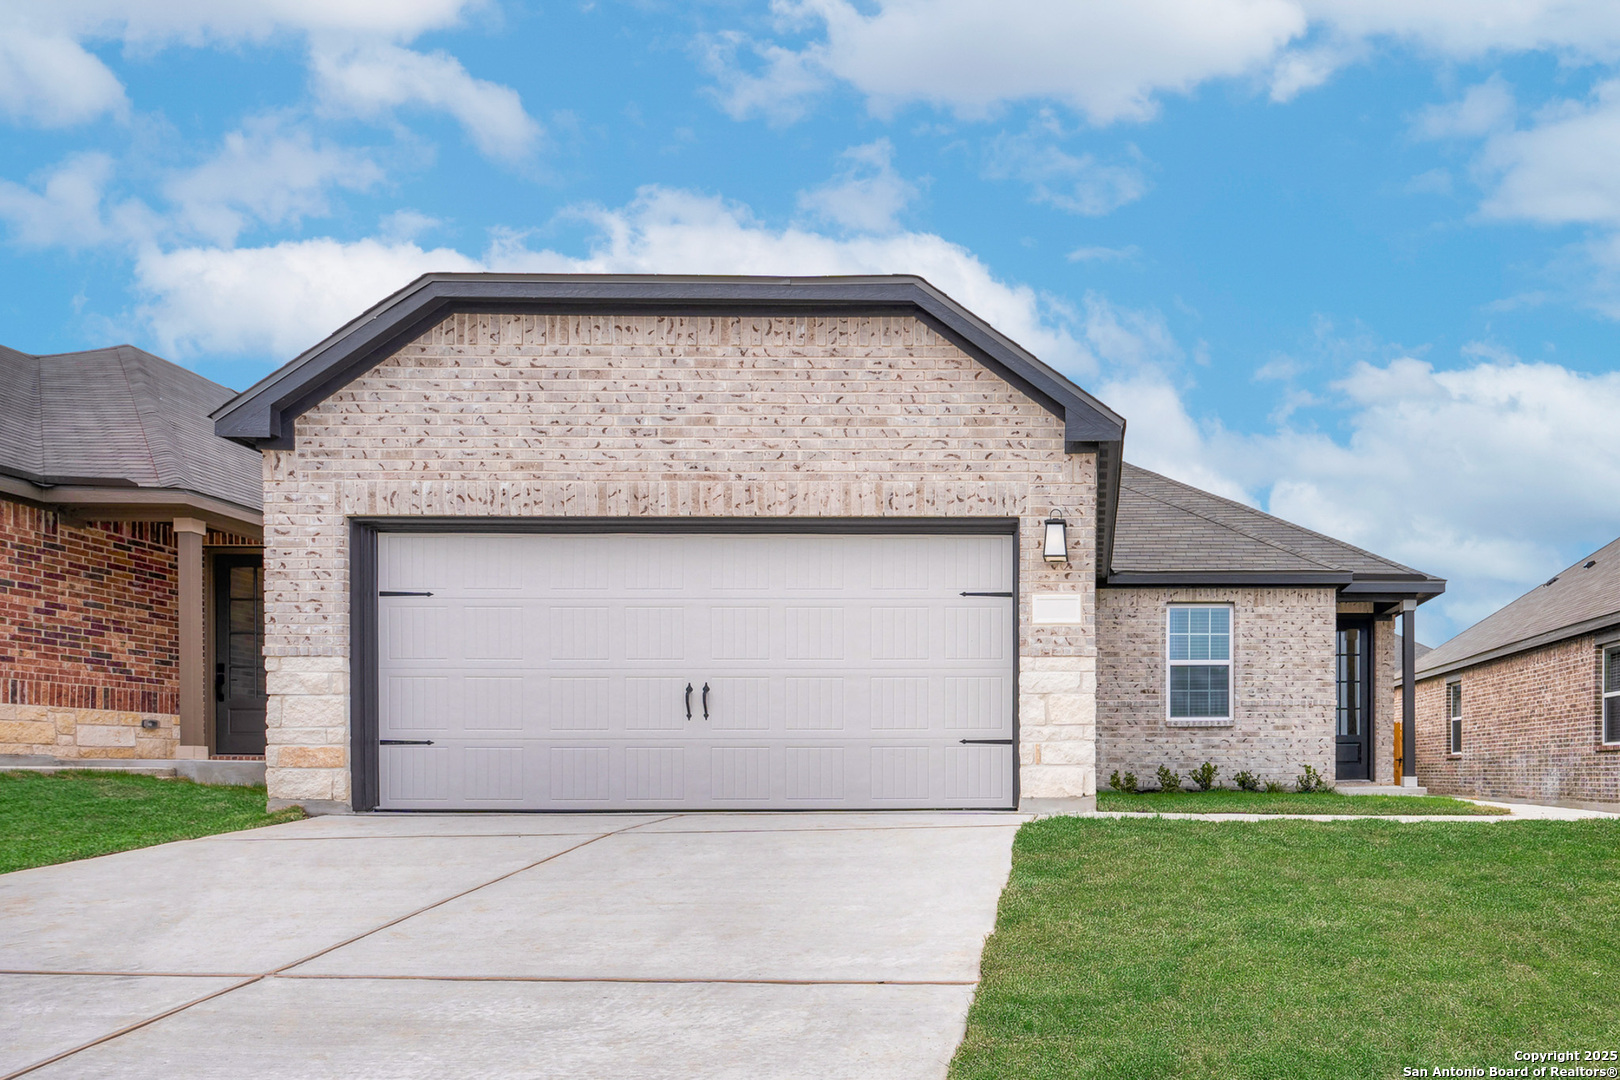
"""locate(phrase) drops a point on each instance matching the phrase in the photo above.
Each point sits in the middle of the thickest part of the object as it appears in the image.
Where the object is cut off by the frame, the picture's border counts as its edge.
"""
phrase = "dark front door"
(238, 654)
(1353, 712)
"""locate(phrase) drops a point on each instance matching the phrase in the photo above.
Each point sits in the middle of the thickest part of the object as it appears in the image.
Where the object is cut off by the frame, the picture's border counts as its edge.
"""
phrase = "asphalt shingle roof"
(1165, 526)
(119, 416)
(1580, 598)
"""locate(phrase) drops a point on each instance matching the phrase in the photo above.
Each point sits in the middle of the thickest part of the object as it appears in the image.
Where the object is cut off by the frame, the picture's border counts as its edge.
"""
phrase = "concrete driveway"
(708, 946)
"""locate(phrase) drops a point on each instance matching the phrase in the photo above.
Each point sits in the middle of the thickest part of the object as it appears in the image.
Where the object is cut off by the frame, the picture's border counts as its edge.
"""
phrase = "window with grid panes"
(1200, 655)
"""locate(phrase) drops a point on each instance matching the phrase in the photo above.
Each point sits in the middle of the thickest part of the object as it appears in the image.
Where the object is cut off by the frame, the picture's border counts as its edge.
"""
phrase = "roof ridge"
(1125, 483)
(147, 399)
(1335, 541)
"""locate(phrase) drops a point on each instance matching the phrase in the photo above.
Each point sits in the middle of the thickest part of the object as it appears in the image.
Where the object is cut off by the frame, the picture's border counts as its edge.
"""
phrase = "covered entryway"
(656, 670)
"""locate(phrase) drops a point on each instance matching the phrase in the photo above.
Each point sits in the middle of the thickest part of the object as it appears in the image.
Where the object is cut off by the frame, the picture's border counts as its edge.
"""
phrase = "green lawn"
(56, 817)
(1159, 948)
(1290, 802)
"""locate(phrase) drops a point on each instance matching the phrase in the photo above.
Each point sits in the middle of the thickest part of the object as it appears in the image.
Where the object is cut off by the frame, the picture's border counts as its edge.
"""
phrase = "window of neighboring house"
(1454, 714)
(1200, 663)
(1611, 695)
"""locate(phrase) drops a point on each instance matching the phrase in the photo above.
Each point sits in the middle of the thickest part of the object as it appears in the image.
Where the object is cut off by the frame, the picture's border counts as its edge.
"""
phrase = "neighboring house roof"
(118, 418)
(262, 416)
(1172, 533)
(1419, 650)
(1578, 600)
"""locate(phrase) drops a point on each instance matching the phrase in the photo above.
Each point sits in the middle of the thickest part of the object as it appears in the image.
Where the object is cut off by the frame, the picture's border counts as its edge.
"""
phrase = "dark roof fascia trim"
(44, 481)
(1551, 637)
(1326, 578)
(137, 504)
(1395, 587)
(262, 415)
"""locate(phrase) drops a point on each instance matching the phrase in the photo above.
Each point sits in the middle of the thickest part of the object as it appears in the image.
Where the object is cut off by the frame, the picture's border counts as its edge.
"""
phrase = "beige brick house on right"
(1525, 704)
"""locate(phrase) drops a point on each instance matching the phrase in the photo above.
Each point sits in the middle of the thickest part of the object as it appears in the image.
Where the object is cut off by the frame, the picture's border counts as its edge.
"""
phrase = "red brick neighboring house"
(1525, 704)
(129, 539)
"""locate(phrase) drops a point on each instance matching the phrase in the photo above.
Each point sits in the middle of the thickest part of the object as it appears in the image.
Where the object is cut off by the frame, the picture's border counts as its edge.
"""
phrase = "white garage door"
(695, 671)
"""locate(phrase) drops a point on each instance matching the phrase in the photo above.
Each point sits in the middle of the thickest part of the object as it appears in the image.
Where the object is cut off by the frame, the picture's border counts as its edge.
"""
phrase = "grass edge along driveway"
(50, 818)
(1172, 948)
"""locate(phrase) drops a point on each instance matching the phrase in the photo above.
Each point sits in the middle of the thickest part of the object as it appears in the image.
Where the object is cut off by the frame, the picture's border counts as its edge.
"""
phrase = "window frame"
(1229, 663)
(1605, 694)
(1454, 717)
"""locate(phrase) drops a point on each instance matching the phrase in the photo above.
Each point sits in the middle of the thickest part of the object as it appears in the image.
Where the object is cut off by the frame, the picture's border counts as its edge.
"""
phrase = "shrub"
(1274, 788)
(1127, 783)
(1311, 780)
(1113, 781)
(1169, 781)
(1246, 781)
(1204, 776)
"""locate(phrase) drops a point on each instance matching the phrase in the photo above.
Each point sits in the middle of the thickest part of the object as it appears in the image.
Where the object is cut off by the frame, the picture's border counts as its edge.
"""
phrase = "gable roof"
(1578, 600)
(262, 416)
(1172, 533)
(120, 418)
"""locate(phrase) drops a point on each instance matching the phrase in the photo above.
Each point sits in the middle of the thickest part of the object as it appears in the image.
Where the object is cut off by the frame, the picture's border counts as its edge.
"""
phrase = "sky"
(1354, 262)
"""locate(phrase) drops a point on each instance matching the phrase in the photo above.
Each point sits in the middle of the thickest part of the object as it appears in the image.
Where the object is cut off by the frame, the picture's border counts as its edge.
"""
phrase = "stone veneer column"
(1057, 732)
(306, 753)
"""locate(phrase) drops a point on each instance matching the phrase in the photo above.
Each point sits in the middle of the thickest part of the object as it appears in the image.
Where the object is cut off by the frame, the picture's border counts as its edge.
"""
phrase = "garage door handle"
(405, 742)
(705, 701)
(397, 592)
(1008, 595)
(986, 742)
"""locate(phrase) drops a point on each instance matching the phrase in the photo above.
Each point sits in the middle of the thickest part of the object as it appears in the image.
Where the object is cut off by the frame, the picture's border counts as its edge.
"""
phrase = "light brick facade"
(1532, 729)
(88, 636)
(648, 416)
(1283, 685)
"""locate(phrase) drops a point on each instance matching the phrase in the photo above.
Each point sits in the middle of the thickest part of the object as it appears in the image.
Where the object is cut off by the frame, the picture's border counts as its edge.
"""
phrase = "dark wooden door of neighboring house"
(1353, 711)
(238, 654)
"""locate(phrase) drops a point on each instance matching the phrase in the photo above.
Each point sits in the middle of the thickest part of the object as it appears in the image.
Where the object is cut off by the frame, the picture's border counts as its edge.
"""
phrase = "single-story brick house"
(1525, 704)
(129, 563)
(594, 542)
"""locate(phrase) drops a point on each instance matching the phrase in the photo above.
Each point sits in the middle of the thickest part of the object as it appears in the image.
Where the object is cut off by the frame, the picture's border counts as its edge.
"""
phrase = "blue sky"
(1356, 262)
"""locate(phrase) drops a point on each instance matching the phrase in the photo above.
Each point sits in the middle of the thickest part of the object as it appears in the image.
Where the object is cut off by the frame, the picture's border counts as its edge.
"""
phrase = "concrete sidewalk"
(747, 946)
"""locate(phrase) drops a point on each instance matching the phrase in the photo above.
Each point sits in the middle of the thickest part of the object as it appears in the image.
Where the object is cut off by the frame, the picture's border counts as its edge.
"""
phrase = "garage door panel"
(815, 703)
(740, 773)
(579, 703)
(843, 671)
(740, 633)
(976, 702)
(740, 703)
(655, 703)
(654, 633)
(579, 633)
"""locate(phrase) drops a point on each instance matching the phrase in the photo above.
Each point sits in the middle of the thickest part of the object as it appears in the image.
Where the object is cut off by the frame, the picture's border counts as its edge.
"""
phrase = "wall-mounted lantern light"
(1056, 548)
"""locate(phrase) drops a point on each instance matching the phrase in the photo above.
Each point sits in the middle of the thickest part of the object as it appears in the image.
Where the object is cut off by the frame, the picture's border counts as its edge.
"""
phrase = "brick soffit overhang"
(263, 415)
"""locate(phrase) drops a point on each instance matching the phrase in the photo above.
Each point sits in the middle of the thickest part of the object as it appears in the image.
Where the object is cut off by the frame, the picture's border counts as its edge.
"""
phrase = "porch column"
(1408, 693)
(189, 534)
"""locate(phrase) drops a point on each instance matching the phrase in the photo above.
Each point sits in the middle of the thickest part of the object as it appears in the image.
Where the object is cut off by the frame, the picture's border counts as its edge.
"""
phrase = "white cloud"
(67, 208)
(280, 299)
(49, 80)
(1078, 184)
(1485, 108)
(1109, 61)
(1113, 62)
(275, 300)
(357, 58)
(375, 79)
(867, 195)
(1564, 170)
(269, 173)
(1481, 474)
